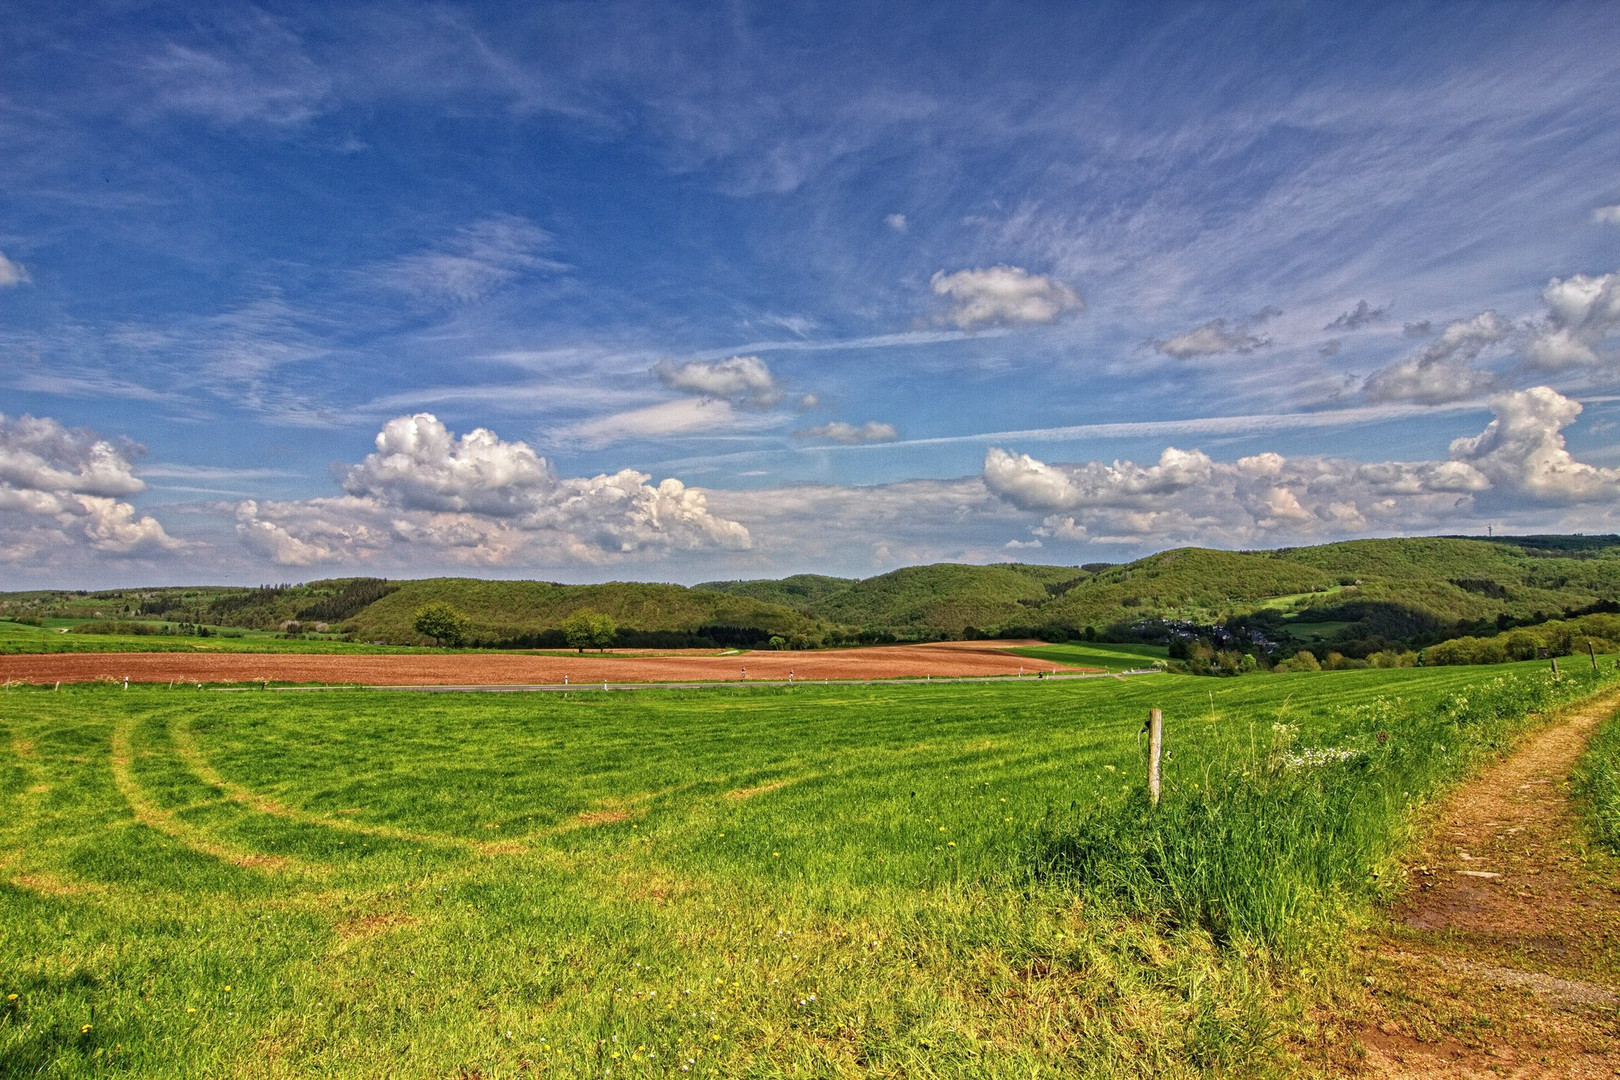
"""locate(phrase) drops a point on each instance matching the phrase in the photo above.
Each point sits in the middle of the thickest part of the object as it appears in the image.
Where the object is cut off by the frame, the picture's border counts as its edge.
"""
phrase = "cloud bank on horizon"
(621, 291)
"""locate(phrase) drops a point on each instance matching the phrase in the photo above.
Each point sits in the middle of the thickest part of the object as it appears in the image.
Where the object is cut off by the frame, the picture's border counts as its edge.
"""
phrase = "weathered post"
(1554, 660)
(1155, 746)
(1593, 654)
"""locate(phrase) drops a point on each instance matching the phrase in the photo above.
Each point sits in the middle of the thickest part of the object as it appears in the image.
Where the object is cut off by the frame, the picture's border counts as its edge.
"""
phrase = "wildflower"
(85, 1030)
(950, 843)
(11, 997)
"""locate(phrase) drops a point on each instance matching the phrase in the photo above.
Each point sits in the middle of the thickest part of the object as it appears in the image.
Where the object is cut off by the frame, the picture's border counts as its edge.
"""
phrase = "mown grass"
(1099, 654)
(744, 882)
(1597, 784)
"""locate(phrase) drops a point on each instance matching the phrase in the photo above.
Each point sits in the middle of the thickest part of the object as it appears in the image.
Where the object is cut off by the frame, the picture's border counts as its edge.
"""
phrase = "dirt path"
(1504, 961)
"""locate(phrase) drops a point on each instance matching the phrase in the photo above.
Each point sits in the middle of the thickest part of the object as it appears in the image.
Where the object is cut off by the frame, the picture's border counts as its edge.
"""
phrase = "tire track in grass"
(186, 748)
(167, 822)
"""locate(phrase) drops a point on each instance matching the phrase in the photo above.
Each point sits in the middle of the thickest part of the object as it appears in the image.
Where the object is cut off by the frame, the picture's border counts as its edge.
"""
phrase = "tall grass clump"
(1279, 840)
(1597, 784)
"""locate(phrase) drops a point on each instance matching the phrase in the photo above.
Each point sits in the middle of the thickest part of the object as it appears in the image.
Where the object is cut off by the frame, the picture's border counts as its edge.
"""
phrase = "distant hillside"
(800, 591)
(1194, 584)
(937, 600)
(946, 599)
(521, 612)
(1354, 597)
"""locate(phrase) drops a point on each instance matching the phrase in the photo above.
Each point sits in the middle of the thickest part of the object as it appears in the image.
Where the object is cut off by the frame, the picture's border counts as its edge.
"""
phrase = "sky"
(684, 292)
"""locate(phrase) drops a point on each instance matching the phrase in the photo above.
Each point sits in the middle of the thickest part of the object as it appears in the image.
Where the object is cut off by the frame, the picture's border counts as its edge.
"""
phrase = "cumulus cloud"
(1003, 296)
(838, 431)
(1582, 310)
(741, 380)
(1441, 371)
(1217, 337)
(1518, 463)
(1522, 450)
(11, 273)
(479, 499)
(897, 222)
(1607, 215)
(64, 485)
(472, 263)
(1357, 317)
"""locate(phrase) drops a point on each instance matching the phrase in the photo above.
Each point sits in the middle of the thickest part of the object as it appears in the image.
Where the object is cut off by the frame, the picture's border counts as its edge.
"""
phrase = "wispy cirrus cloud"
(471, 263)
(12, 273)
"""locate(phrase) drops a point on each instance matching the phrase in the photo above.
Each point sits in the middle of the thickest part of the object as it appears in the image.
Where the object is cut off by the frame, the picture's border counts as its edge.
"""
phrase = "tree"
(589, 628)
(441, 622)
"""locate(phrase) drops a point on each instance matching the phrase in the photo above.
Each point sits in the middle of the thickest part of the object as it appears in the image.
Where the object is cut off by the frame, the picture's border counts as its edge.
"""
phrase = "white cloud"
(1518, 465)
(61, 484)
(1607, 215)
(1522, 450)
(840, 432)
(1003, 295)
(1582, 310)
(741, 380)
(11, 273)
(1033, 485)
(478, 499)
(897, 222)
(1441, 371)
(1216, 337)
(655, 421)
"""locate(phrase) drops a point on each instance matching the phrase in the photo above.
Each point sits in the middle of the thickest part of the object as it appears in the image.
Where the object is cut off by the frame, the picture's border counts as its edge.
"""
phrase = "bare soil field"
(1504, 958)
(953, 659)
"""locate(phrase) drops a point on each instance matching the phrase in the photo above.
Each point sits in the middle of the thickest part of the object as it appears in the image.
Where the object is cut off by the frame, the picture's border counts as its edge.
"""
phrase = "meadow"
(888, 880)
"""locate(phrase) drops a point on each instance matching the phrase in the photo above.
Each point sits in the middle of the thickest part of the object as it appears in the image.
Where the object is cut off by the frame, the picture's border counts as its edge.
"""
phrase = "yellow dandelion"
(85, 1030)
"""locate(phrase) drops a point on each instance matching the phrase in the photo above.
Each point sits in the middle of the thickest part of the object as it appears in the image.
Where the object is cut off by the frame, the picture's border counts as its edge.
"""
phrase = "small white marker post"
(1155, 747)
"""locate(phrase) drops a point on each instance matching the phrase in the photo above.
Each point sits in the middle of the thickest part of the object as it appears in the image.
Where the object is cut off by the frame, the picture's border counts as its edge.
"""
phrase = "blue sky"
(681, 292)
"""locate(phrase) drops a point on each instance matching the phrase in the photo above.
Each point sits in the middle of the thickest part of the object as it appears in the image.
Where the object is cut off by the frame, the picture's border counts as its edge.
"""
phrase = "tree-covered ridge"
(532, 613)
(1355, 597)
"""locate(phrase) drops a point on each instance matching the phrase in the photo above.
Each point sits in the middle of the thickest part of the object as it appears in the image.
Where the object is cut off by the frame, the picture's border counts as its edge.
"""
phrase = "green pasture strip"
(749, 881)
(1105, 655)
(1597, 784)
(49, 641)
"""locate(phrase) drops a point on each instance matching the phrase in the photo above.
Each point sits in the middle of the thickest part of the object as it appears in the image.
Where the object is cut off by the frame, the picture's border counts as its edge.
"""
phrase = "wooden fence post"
(1554, 660)
(1155, 746)
(1593, 654)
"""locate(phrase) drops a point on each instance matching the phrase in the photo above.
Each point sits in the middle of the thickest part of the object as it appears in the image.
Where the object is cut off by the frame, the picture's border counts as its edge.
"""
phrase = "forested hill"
(1356, 596)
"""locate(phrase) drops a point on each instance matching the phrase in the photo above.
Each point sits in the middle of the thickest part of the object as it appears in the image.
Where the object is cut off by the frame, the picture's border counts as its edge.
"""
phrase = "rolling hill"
(1356, 596)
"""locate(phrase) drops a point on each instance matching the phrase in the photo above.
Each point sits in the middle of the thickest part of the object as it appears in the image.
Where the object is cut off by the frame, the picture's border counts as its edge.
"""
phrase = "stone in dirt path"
(1504, 959)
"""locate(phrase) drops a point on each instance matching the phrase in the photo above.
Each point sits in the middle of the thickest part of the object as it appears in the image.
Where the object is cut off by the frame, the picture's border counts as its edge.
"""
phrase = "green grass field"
(1099, 654)
(896, 880)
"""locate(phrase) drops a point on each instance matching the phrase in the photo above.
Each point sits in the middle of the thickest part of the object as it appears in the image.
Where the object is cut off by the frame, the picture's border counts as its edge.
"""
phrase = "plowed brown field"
(941, 660)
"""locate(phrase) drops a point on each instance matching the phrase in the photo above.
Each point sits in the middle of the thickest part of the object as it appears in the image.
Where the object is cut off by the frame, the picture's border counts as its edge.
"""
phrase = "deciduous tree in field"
(441, 622)
(589, 628)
